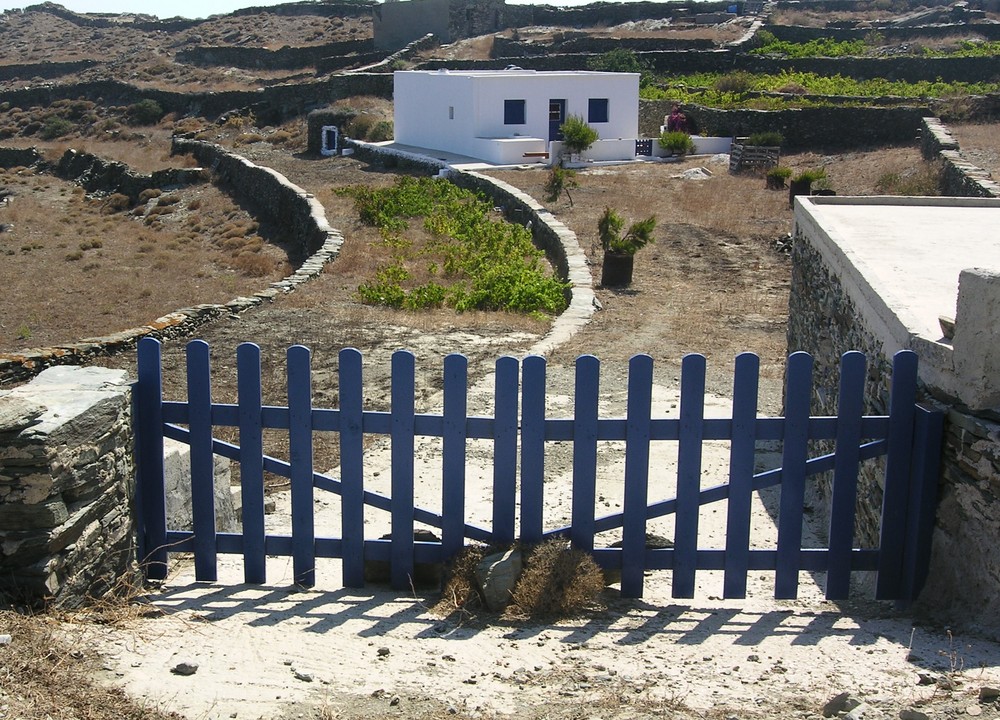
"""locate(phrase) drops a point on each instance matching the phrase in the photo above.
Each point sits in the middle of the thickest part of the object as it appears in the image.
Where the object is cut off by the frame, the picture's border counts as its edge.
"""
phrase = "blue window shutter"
(597, 110)
(513, 112)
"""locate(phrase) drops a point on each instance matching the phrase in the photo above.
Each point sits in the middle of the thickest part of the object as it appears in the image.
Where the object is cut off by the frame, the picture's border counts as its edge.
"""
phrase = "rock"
(987, 693)
(974, 710)
(497, 575)
(839, 704)
(303, 675)
(858, 712)
(394, 701)
(926, 678)
(383, 651)
(5, 639)
(184, 668)
(911, 714)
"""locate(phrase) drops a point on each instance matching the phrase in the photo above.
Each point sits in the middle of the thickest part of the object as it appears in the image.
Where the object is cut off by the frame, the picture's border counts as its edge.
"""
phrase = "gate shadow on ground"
(376, 612)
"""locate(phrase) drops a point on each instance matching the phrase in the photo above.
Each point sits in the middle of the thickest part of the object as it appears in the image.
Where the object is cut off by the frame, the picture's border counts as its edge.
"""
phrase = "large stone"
(497, 575)
(177, 484)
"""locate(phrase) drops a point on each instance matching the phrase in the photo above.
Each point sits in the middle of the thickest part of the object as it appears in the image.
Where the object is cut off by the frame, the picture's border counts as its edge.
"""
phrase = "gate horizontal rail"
(908, 438)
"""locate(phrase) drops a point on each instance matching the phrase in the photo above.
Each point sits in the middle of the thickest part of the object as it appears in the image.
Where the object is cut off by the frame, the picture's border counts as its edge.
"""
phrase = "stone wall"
(798, 33)
(814, 127)
(29, 71)
(826, 319)
(286, 58)
(66, 469)
(19, 157)
(603, 13)
(97, 175)
(959, 177)
(508, 48)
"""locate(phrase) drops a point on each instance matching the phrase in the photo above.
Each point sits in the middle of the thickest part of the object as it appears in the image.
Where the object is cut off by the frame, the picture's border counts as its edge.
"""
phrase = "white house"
(513, 116)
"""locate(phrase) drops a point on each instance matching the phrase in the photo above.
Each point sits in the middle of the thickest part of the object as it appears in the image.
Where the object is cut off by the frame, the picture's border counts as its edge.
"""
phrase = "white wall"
(422, 100)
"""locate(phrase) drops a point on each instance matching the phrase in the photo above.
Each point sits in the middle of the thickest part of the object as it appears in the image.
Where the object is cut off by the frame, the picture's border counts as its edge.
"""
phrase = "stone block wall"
(286, 58)
(97, 175)
(959, 177)
(825, 319)
(66, 469)
(19, 157)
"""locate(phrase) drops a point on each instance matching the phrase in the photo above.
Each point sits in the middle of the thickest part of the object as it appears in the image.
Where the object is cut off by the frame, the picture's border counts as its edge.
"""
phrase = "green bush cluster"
(818, 47)
(477, 262)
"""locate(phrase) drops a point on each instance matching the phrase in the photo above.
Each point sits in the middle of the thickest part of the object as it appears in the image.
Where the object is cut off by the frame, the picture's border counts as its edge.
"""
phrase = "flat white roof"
(517, 72)
(911, 250)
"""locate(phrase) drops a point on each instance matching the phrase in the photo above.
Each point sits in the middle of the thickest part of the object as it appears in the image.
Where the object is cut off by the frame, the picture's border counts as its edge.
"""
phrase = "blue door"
(557, 116)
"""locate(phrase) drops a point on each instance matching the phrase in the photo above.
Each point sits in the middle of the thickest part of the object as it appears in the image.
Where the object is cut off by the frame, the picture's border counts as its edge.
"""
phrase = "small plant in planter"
(676, 142)
(620, 249)
(777, 176)
(578, 136)
(560, 181)
(802, 183)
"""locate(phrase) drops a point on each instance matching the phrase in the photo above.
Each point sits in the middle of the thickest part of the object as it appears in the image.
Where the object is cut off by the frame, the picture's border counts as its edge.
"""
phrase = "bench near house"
(513, 116)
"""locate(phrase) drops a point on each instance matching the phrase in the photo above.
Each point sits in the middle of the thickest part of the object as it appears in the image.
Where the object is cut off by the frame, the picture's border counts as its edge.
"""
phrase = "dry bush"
(557, 581)
(253, 264)
(148, 194)
(460, 593)
(116, 203)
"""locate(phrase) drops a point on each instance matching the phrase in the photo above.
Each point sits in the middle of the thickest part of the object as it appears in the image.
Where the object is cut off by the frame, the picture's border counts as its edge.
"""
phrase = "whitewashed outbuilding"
(513, 116)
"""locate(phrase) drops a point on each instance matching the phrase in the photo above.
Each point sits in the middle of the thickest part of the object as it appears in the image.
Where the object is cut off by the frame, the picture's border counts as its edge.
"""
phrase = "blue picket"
(401, 554)
(925, 470)
(202, 461)
(741, 470)
(850, 408)
(585, 424)
(532, 447)
(692, 415)
(248, 382)
(300, 453)
(453, 450)
(798, 392)
(352, 499)
(150, 494)
(637, 422)
(895, 498)
(505, 450)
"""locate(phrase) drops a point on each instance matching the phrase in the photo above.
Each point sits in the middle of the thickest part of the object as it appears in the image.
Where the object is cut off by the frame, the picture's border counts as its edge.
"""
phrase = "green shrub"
(577, 134)
(677, 142)
(738, 81)
(56, 127)
(810, 176)
(560, 181)
(144, 112)
(777, 176)
(381, 131)
(767, 139)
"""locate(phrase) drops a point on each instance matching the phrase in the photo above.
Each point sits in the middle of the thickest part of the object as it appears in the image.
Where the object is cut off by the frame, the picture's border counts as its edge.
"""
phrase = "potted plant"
(801, 184)
(676, 142)
(620, 249)
(777, 176)
(578, 136)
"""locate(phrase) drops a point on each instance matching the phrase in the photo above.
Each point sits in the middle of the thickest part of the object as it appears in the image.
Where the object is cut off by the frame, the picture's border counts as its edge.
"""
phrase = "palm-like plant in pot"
(578, 136)
(620, 248)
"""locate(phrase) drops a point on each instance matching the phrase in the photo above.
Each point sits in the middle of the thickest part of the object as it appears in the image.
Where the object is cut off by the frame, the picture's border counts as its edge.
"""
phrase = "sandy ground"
(275, 650)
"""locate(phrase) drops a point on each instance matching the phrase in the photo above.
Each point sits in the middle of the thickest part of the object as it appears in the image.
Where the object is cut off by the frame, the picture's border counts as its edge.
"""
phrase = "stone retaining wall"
(19, 157)
(286, 58)
(269, 192)
(29, 71)
(801, 34)
(959, 177)
(508, 48)
(97, 175)
(66, 469)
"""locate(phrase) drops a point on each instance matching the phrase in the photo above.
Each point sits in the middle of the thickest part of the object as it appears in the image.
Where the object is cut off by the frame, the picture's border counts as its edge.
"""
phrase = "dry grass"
(44, 674)
(557, 582)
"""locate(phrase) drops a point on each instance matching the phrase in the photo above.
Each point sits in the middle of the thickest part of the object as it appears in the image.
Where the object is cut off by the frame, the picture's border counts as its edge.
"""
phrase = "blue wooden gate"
(908, 439)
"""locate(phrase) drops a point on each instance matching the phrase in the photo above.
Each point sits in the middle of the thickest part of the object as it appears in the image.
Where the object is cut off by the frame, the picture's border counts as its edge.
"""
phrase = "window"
(597, 111)
(513, 112)
(451, 112)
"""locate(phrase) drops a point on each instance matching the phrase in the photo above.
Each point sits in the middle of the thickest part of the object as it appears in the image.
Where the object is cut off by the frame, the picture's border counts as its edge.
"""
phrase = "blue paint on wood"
(505, 451)
(850, 408)
(251, 458)
(585, 431)
(300, 452)
(692, 413)
(741, 474)
(896, 495)
(798, 391)
(202, 462)
(925, 471)
(532, 447)
(351, 389)
(401, 563)
(150, 495)
(640, 385)
(454, 443)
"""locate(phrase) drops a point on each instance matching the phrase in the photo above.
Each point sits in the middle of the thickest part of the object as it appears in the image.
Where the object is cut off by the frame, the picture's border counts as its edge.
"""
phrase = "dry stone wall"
(66, 469)
(959, 177)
